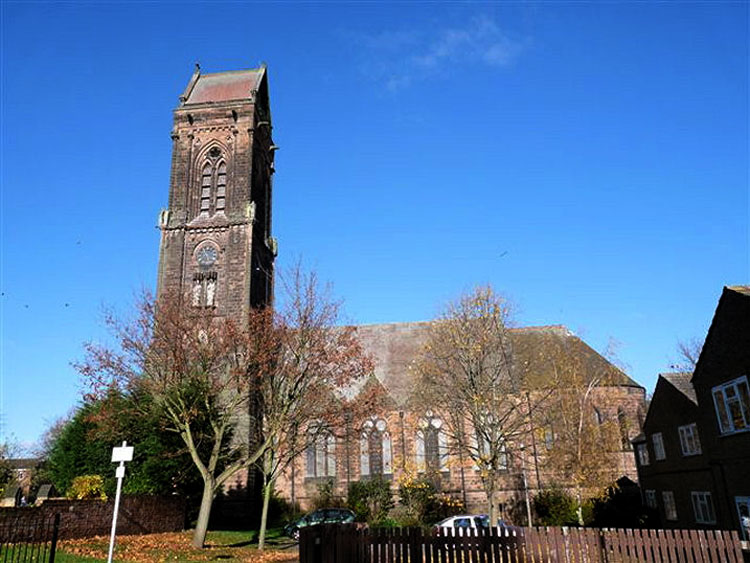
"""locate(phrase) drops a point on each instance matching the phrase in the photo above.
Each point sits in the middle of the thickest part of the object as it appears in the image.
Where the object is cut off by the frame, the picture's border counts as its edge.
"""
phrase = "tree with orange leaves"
(266, 375)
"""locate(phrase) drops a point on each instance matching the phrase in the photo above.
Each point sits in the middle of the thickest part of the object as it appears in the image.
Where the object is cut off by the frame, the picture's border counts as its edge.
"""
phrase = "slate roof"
(23, 462)
(744, 289)
(681, 382)
(394, 347)
(222, 86)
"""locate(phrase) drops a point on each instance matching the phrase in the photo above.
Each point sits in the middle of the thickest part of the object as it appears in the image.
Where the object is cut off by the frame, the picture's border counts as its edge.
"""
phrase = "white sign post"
(121, 454)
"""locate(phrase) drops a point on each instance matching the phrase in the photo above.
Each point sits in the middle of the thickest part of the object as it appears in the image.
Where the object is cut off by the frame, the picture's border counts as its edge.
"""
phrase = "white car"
(467, 521)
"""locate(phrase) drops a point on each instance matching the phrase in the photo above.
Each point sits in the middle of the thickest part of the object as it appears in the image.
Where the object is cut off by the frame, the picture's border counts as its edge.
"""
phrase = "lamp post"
(522, 447)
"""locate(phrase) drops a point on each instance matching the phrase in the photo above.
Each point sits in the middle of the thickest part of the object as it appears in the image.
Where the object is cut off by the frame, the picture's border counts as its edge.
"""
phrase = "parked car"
(468, 521)
(320, 516)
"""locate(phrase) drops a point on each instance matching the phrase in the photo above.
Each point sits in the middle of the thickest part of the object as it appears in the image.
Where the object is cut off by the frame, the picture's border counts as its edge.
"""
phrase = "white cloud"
(399, 58)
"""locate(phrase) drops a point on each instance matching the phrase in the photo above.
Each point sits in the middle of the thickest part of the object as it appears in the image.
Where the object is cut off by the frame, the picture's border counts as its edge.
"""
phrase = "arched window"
(375, 451)
(206, 178)
(598, 417)
(213, 183)
(321, 454)
(483, 451)
(430, 444)
(221, 186)
(622, 422)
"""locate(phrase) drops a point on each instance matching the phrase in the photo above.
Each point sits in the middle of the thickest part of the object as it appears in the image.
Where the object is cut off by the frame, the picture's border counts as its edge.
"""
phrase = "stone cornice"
(208, 228)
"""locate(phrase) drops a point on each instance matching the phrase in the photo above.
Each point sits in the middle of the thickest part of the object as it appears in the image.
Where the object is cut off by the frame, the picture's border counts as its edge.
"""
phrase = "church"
(217, 247)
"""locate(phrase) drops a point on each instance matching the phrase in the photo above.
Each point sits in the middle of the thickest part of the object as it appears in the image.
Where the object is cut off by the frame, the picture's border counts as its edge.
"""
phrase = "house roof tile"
(681, 382)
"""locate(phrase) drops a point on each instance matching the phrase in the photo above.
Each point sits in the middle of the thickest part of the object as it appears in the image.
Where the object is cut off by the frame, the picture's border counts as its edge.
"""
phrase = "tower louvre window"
(213, 183)
(206, 188)
(204, 289)
(221, 186)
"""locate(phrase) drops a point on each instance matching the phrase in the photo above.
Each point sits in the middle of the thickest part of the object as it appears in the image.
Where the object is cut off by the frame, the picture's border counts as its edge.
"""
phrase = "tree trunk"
(201, 527)
(579, 510)
(267, 489)
(491, 508)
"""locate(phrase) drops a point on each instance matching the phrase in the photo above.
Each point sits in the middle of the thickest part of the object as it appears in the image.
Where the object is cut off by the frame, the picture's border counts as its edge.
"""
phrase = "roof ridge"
(203, 74)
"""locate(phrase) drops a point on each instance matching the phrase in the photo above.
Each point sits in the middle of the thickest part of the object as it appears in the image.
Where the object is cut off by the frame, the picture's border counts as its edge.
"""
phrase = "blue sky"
(589, 160)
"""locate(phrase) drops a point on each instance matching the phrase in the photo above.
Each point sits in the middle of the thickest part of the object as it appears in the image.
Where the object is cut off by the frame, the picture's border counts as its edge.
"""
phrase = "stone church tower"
(216, 245)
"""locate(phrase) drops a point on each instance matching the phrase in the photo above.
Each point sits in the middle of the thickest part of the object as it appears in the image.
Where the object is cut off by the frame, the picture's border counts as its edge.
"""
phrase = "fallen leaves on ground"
(152, 548)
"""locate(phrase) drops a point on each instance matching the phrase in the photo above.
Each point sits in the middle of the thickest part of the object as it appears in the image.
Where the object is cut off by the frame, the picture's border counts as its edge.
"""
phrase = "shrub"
(421, 501)
(326, 496)
(280, 510)
(555, 507)
(443, 505)
(417, 496)
(620, 507)
(370, 500)
(87, 487)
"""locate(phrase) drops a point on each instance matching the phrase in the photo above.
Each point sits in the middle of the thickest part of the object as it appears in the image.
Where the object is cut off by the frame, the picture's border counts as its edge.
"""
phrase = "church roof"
(395, 347)
(222, 86)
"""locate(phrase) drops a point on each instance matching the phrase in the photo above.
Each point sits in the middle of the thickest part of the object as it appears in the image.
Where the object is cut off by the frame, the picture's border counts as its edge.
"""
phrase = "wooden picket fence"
(342, 543)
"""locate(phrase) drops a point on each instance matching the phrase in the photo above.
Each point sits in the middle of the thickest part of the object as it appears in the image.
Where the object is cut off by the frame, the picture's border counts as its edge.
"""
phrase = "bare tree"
(688, 352)
(301, 388)
(468, 377)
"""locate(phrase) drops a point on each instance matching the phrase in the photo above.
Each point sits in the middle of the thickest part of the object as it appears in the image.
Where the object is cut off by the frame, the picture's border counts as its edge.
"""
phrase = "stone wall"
(86, 518)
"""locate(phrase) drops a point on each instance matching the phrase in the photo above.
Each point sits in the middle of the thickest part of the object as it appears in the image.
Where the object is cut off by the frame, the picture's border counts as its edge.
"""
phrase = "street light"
(522, 447)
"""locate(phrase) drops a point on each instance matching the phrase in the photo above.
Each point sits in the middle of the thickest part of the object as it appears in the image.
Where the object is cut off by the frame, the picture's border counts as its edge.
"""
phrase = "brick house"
(694, 454)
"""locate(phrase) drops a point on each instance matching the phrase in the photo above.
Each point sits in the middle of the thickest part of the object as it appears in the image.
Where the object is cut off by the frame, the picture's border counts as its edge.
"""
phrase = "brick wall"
(86, 518)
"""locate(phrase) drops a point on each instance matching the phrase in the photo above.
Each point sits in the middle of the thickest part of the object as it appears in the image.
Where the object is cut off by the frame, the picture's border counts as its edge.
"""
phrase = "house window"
(658, 442)
(732, 404)
(743, 512)
(321, 454)
(431, 446)
(689, 441)
(670, 508)
(651, 498)
(643, 454)
(703, 507)
(375, 454)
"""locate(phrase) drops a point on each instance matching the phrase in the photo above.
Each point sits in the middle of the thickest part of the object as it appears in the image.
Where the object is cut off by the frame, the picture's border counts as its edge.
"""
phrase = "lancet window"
(213, 183)
(321, 453)
(375, 448)
(431, 446)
